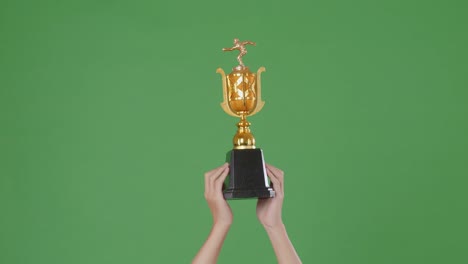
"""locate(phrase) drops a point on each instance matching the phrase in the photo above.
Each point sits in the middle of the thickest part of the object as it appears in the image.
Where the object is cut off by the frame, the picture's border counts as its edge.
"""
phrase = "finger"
(272, 173)
(278, 178)
(215, 177)
(277, 172)
(209, 179)
(220, 181)
(213, 171)
(276, 182)
(274, 169)
(221, 171)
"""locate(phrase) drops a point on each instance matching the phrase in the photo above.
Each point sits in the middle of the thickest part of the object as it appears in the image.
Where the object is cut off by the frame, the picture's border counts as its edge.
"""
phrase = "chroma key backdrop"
(110, 115)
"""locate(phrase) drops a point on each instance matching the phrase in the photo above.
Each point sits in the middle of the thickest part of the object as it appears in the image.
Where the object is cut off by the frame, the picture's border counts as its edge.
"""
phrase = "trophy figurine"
(242, 98)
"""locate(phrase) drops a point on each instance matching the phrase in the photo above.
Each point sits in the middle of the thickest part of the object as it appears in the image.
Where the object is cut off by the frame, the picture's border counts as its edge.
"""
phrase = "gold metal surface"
(242, 96)
(240, 46)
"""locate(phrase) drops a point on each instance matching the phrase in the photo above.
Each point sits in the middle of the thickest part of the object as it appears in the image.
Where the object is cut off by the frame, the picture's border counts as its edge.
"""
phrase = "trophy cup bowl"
(241, 91)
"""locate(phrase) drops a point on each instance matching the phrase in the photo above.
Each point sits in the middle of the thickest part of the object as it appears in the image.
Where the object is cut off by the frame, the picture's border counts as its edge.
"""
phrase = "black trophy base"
(247, 175)
(244, 194)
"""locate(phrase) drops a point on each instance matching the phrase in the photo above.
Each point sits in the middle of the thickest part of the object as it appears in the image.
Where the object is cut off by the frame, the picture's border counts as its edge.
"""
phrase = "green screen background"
(109, 116)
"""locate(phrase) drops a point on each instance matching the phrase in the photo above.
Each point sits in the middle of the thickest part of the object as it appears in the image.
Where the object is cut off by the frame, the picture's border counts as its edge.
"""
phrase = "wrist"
(274, 227)
(221, 225)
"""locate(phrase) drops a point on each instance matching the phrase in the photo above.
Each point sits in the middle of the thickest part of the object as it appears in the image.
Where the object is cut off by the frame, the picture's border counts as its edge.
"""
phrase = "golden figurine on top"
(242, 95)
(240, 46)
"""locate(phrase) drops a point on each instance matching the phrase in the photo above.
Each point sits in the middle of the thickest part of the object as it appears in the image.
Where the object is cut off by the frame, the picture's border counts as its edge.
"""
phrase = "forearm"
(210, 250)
(284, 250)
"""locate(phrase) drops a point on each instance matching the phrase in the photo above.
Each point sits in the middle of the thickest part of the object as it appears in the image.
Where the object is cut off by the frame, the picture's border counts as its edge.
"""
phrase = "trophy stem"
(243, 139)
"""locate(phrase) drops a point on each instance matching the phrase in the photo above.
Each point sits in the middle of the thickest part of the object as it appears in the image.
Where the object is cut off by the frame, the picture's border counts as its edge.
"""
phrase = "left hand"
(220, 209)
(222, 216)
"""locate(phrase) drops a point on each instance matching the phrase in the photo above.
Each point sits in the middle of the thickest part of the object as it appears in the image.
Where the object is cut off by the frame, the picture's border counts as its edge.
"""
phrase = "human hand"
(269, 213)
(222, 216)
(269, 209)
(220, 209)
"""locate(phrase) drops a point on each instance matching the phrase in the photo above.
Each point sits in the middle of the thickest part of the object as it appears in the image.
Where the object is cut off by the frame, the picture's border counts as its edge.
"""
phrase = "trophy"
(242, 98)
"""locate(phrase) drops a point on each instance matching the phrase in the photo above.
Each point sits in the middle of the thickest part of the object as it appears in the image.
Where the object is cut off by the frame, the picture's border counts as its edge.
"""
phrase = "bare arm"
(222, 216)
(249, 43)
(269, 213)
(284, 249)
(229, 49)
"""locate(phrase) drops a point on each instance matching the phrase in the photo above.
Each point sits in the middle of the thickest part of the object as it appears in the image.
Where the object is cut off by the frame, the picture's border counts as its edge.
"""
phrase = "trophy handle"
(225, 104)
(260, 103)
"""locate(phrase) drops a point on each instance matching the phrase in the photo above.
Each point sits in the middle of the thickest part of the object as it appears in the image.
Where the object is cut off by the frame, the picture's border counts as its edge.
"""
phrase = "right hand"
(220, 209)
(269, 210)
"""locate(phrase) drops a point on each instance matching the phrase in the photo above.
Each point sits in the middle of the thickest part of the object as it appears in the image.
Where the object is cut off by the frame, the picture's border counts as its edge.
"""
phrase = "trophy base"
(244, 194)
(247, 175)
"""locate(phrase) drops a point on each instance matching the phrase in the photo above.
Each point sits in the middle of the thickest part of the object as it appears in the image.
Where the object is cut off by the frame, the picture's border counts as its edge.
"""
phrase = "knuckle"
(219, 180)
(208, 197)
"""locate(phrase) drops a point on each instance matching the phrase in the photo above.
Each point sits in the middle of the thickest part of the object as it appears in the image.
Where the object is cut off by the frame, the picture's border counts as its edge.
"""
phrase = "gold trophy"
(242, 98)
